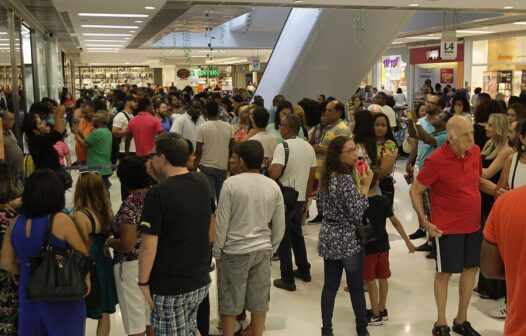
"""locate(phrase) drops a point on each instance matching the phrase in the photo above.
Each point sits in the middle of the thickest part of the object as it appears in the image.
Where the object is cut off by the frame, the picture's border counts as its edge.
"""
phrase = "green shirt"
(99, 150)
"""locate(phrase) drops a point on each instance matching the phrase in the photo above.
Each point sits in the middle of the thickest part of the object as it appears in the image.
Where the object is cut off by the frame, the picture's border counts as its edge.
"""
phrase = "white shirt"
(120, 121)
(215, 136)
(390, 113)
(519, 170)
(247, 204)
(399, 100)
(268, 141)
(185, 126)
(301, 159)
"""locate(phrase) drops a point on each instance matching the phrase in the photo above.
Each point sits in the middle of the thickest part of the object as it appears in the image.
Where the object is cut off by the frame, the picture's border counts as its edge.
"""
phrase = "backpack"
(116, 142)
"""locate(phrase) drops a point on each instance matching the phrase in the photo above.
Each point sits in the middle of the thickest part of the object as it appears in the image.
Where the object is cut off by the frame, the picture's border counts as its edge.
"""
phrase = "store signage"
(256, 66)
(207, 72)
(448, 45)
(391, 62)
(505, 58)
(447, 75)
(183, 73)
(432, 55)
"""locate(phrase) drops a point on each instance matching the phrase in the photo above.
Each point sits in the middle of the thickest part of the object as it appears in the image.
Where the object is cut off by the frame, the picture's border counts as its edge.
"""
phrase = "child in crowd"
(376, 266)
(63, 152)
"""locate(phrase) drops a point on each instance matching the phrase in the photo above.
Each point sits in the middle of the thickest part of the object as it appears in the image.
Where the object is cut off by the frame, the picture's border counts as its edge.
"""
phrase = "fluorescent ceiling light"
(149, 7)
(211, 51)
(517, 23)
(2, 39)
(119, 41)
(414, 5)
(109, 26)
(474, 32)
(103, 34)
(104, 45)
(104, 48)
(138, 21)
(396, 42)
(508, 7)
(7, 44)
(132, 31)
(298, 1)
(423, 37)
(114, 15)
(94, 50)
(3, 33)
(126, 38)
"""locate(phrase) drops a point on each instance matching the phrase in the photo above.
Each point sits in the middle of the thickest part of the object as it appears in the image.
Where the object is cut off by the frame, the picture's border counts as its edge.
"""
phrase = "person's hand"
(501, 192)
(367, 177)
(88, 285)
(151, 171)
(106, 248)
(59, 110)
(409, 169)
(432, 229)
(410, 247)
(317, 148)
(147, 295)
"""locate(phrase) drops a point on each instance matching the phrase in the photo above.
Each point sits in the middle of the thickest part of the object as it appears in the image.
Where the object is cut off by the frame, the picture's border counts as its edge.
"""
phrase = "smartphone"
(361, 165)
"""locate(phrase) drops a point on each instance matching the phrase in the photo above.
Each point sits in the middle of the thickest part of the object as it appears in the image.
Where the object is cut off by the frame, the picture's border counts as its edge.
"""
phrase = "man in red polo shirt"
(452, 173)
(504, 247)
(144, 127)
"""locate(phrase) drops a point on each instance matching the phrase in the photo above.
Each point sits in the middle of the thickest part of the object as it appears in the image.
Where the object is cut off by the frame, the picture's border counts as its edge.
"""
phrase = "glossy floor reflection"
(410, 303)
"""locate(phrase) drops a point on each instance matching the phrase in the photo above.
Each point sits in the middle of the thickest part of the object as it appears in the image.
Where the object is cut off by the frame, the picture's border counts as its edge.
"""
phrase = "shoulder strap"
(91, 219)
(517, 159)
(126, 115)
(50, 220)
(287, 153)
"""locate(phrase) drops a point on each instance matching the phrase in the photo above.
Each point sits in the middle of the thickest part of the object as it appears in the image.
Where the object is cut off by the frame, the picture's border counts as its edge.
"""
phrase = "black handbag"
(365, 232)
(290, 195)
(57, 276)
(65, 177)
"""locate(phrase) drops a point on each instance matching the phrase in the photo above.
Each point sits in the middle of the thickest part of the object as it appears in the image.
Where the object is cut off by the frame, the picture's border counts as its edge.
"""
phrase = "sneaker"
(499, 313)
(374, 320)
(302, 276)
(316, 220)
(419, 233)
(464, 329)
(281, 284)
(440, 331)
(384, 315)
(425, 247)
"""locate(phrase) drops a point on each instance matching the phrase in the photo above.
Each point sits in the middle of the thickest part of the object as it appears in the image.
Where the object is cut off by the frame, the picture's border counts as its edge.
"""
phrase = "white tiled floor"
(410, 303)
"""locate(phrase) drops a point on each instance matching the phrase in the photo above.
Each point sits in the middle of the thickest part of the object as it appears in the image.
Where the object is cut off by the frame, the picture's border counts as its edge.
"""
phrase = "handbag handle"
(287, 153)
(50, 221)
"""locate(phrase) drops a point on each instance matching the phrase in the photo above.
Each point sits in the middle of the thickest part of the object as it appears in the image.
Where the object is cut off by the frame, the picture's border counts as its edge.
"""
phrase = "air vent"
(76, 40)
(67, 22)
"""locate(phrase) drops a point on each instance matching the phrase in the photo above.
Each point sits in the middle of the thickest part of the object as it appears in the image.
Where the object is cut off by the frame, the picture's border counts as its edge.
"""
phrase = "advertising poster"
(523, 83)
(490, 83)
(447, 75)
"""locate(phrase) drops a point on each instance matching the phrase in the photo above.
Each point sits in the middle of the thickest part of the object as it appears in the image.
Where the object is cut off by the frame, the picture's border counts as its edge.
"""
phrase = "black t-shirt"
(178, 212)
(377, 213)
(42, 151)
(480, 136)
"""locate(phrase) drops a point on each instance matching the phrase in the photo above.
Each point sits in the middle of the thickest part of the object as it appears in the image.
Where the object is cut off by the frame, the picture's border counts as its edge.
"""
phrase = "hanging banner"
(448, 45)
(256, 66)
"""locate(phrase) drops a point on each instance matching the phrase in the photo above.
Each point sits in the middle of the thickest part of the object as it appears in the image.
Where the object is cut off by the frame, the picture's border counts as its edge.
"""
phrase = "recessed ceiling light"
(127, 63)
(109, 26)
(104, 45)
(3, 33)
(508, 7)
(414, 5)
(423, 38)
(138, 21)
(132, 31)
(104, 34)
(474, 32)
(298, 1)
(397, 42)
(114, 15)
(126, 38)
(149, 7)
(517, 23)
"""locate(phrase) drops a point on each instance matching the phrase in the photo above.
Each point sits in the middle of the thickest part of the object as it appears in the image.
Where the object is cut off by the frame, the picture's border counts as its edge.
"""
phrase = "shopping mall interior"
(296, 48)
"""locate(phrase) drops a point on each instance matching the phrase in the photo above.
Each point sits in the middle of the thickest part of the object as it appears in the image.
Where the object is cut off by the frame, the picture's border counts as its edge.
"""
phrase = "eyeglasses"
(152, 155)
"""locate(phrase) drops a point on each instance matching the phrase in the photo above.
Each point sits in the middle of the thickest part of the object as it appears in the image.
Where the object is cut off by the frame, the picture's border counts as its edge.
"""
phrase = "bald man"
(452, 173)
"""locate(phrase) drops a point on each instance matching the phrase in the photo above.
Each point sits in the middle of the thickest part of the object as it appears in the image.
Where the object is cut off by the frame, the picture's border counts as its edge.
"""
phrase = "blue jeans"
(293, 241)
(216, 177)
(354, 274)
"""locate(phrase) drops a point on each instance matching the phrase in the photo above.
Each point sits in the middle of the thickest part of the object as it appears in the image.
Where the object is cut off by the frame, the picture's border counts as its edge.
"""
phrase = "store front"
(427, 64)
(499, 66)
(392, 70)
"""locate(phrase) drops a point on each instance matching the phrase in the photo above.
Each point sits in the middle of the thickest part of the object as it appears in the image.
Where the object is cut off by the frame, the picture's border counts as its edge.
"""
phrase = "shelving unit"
(6, 77)
(110, 77)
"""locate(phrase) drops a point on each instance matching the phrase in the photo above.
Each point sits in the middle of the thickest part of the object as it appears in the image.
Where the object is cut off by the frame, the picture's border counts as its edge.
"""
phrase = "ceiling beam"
(25, 14)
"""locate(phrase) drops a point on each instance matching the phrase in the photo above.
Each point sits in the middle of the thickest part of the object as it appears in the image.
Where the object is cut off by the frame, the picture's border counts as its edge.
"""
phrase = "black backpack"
(116, 141)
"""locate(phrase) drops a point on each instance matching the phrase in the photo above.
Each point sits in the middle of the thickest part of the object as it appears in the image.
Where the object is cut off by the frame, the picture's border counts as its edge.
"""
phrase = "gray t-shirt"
(13, 152)
(215, 136)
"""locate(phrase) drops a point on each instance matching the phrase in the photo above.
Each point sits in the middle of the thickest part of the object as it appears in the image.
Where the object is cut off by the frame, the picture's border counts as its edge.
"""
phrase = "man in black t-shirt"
(174, 260)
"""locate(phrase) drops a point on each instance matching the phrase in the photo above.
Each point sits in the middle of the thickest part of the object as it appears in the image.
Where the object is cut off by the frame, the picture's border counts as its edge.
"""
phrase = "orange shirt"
(505, 228)
(85, 128)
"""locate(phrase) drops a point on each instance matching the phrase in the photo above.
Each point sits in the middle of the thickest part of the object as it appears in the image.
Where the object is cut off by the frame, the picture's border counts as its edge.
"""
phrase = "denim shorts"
(243, 280)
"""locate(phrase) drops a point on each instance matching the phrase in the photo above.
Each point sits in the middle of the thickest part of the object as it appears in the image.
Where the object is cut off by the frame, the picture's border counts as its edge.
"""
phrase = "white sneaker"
(499, 313)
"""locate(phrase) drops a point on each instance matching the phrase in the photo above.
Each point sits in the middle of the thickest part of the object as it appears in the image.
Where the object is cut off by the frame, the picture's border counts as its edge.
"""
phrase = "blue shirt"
(424, 150)
(441, 138)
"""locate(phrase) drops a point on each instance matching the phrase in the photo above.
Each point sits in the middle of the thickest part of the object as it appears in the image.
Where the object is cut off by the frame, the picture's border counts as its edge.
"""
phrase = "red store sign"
(432, 55)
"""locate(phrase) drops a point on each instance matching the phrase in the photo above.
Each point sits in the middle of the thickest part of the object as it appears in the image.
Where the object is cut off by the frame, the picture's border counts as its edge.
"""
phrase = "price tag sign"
(448, 46)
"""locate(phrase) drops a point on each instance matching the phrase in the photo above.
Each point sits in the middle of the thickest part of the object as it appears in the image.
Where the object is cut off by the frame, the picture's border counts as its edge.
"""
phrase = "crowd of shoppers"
(207, 176)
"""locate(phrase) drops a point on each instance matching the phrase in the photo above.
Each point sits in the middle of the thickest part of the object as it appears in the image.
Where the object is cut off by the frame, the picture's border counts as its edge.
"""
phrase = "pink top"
(144, 128)
(62, 150)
